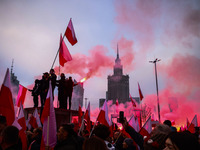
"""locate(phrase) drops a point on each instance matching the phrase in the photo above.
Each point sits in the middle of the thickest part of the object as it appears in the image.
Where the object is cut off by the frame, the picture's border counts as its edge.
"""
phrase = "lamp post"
(155, 61)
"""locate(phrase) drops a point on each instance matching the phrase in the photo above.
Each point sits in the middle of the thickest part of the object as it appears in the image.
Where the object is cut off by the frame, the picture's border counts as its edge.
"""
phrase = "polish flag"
(48, 119)
(35, 120)
(21, 95)
(21, 119)
(64, 55)
(6, 101)
(133, 103)
(140, 92)
(87, 118)
(193, 124)
(134, 123)
(103, 115)
(146, 129)
(70, 34)
(80, 114)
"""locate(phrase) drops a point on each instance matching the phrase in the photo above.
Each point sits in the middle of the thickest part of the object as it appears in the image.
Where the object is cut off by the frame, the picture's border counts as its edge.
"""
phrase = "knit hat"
(128, 141)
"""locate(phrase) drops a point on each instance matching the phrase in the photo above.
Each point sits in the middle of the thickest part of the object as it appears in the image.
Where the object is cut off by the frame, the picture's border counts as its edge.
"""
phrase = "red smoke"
(92, 65)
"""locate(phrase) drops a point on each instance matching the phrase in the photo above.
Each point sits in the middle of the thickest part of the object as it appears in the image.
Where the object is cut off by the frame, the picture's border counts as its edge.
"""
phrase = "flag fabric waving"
(34, 120)
(21, 119)
(146, 129)
(87, 118)
(133, 103)
(103, 115)
(48, 118)
(140, 92)
(70, 33)
(64, 55)
(134, 123)
(21, 95)
(193, 124)
(6, 101)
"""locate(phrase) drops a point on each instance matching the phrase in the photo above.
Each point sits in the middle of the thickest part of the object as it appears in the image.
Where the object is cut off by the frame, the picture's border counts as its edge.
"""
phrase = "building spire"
(12, 66)
(117, 52)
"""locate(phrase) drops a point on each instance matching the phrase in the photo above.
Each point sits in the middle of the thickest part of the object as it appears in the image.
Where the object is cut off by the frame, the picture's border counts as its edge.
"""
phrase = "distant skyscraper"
(118, 84)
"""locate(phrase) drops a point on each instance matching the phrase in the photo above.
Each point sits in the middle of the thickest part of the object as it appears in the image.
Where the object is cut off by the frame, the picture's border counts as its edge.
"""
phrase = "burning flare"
(82, 80)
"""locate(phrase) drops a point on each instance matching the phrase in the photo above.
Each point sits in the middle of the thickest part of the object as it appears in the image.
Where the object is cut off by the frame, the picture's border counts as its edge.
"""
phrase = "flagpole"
(92, 129)
(58, 51)
(156, 60)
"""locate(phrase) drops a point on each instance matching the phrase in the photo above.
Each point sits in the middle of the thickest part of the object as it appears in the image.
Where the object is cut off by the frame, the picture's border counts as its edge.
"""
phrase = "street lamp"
(155, 61)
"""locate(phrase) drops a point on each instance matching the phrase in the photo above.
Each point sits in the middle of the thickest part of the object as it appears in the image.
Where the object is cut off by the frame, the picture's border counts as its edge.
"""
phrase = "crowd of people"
(65, 89)
(102, 138)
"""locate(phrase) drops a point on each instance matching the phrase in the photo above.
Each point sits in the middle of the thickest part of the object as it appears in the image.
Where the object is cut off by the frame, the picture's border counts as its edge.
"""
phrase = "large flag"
(64, 55)
(70, 34)
(132, 101)
(146, 129)
(140, 92)
(21, 95)
(80, 114)
(6, 101)
(193, 124)
(87, 118)
(48, 118)
(103, 115)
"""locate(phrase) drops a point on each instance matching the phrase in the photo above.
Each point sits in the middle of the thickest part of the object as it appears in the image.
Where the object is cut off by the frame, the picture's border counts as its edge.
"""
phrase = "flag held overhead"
(70, 33)
(64, 55)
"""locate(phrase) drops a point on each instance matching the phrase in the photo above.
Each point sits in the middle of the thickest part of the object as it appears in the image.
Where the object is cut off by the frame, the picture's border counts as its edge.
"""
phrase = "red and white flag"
(80, 114)
(6, 101)
(48, 119)
(87, 118)
(103, 115)
(64, 55)
(34, 120)
(146, 129)
(21, 95)
(134, 123)
(70, 33)
(21, 119)
(132, 101)
(193, 124)
(140, 92)
(22, 122)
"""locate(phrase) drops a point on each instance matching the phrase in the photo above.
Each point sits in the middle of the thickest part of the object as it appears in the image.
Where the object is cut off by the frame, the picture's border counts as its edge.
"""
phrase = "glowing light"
(120, 127)
(82, 80)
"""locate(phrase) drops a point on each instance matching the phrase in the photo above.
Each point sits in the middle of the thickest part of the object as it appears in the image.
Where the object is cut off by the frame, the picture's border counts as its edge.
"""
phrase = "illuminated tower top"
(118, 67)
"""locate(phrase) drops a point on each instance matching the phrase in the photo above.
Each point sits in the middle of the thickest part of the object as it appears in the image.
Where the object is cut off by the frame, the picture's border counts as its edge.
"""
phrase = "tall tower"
(118, 84)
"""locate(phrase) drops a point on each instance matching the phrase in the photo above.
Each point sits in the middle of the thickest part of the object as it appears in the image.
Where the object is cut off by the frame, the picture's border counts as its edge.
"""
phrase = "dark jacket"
(138, 138)
(68, 144)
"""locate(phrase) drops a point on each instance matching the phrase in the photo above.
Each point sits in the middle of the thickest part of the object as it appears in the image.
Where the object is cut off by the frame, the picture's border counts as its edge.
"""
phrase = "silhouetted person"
(70, 85)
(66, 139)
(52, 78)
(35, 92)
(36, 139)
(44, 89)
(10, 139)
(62, 92)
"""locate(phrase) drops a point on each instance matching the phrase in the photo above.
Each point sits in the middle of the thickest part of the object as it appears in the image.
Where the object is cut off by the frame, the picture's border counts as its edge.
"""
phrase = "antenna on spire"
(12, 66)
(117, 52)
